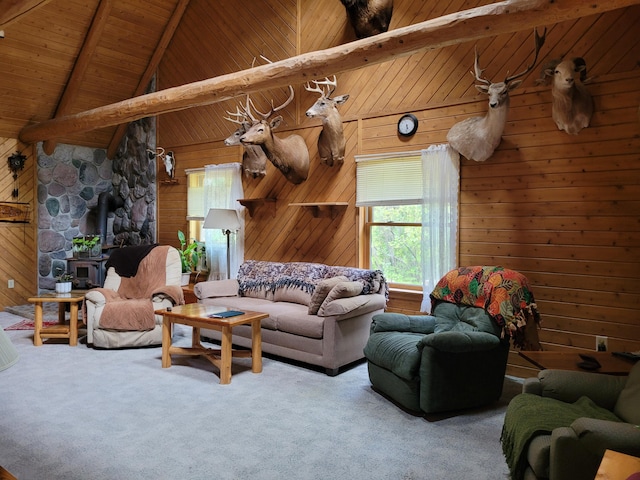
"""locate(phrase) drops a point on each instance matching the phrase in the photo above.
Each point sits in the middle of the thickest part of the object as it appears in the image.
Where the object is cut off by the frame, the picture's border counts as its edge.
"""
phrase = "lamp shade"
(223, 218)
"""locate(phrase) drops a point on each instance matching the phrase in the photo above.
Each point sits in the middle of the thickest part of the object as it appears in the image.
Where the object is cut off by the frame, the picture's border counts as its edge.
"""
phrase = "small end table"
(62, 330)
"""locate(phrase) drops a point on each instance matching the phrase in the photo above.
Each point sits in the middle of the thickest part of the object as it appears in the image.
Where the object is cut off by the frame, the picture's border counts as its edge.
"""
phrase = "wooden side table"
(62, 330)
(189, 295)
(617, 466)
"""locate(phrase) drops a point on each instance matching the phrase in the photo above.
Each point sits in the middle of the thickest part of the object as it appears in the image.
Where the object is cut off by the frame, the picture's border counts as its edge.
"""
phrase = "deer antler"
(331, 84)
(237, 114)
(478, 70)
(274, 109)
(539, 41)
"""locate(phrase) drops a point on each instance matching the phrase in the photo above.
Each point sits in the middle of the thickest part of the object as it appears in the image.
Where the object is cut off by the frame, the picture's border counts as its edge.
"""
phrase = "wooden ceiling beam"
(12, 10)
(72, 88)
(480, 22)
(163, 43)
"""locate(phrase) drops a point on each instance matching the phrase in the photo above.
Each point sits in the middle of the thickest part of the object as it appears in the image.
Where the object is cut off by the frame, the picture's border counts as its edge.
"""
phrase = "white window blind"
(389, 179)
(195, 194)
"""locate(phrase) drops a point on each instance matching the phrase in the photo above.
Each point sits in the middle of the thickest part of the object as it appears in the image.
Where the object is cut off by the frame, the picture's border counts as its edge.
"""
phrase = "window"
(195, 203)
(410, 212)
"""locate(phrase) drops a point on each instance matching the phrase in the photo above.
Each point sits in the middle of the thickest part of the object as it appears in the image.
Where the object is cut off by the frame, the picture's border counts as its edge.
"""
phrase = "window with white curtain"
(195, 203)
(223, 189)
(410, 211)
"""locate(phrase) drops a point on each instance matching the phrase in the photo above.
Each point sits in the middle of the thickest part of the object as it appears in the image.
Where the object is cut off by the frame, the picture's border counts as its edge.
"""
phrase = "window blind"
(195, 194)
(389, 179)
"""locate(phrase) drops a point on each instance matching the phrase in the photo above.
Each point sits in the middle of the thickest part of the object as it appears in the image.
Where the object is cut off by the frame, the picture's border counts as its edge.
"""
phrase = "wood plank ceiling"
(44, 48)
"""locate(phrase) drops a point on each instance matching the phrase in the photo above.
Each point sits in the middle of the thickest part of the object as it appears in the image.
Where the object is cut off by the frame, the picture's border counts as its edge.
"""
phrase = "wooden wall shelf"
(323, 209)
(173, 181)
(252, 203)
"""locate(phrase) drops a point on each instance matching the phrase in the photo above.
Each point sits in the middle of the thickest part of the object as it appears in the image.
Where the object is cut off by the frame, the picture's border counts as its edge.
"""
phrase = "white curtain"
(222, 189)
(440, 175)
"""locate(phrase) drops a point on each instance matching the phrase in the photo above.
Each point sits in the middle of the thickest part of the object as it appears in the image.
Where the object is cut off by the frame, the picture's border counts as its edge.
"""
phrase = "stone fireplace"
(76, 185)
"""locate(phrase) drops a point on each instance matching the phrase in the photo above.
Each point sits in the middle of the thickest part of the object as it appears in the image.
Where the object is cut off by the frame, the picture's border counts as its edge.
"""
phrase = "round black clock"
(407, 125)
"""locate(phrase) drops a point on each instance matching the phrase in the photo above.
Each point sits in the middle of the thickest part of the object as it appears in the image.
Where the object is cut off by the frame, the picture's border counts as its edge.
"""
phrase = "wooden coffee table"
(62, 330)
(196, 315)
(611, 364)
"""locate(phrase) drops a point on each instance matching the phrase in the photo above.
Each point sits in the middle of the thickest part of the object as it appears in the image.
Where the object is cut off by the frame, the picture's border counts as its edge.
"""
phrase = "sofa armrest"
(348, 307)
(216, 288)
(97, 296)
(399, 322)
(569, 386)
(456, 342)
(599, 435)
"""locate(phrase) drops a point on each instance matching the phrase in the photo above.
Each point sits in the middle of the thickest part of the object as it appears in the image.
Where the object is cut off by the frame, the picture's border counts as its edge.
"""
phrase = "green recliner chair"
(456, 357)
(562, 423)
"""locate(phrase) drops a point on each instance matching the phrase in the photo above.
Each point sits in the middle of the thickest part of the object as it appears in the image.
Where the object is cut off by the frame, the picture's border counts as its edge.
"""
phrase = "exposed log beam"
(72, 87)
(167, 34)
(12, 10)
(489, 20)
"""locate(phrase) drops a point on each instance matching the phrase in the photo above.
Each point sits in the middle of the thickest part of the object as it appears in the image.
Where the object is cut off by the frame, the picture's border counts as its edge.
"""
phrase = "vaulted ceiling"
(62, 57)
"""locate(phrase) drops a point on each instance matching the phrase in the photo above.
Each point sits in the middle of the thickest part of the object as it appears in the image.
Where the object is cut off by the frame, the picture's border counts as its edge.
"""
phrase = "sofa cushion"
(627, 404)
(373, 281)
(299, 322)
(397, 352)
(340, 290)
(461, 318)
(321, 291)
(217, 288)
(293, 294)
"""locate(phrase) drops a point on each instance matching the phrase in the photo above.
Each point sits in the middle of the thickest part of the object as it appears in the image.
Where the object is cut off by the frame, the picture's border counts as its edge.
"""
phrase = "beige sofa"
(318, 314)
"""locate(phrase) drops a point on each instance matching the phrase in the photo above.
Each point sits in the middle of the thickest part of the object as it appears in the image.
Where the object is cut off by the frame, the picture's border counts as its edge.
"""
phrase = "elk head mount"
(254, 161)
(290, 155)
(572, 105)
(476, 138)
(331, 143)
(369, 17)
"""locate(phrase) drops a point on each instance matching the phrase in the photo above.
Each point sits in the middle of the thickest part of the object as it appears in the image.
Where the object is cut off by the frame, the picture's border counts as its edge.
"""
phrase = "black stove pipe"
(106, 203)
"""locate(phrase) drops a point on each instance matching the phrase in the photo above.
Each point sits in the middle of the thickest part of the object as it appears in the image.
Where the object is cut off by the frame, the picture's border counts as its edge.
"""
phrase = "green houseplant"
(189, 255)
(63, 281)
(87, 246)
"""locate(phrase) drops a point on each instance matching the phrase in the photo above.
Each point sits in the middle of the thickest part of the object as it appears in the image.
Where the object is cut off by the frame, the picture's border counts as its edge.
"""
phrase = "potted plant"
(87, 246)
(63, 282)
(189, 256)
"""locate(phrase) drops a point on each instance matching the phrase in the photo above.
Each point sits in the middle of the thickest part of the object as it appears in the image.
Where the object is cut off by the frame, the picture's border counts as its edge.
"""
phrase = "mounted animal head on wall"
(290, 155)
(254, 161)
(331, 143)
(369, 17)
(572, 104)
(477, 137)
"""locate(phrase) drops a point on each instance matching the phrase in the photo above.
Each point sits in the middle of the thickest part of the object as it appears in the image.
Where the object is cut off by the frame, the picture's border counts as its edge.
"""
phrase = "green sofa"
(562, 423)
(450, 360)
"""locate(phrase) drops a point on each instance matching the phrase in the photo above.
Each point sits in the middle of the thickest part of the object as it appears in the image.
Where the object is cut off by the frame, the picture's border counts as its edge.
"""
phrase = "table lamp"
(227, 220)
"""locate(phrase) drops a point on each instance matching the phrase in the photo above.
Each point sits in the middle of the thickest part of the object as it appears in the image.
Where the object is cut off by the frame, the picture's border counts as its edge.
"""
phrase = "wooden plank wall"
(562, 209)
(18, 240)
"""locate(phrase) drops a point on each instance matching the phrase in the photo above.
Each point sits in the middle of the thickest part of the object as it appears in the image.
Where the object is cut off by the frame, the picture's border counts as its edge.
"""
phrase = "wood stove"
(87, 272)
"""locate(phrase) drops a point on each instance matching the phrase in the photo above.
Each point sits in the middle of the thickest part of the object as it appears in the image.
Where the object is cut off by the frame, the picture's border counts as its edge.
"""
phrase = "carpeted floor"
(49, 311)
(81, 413)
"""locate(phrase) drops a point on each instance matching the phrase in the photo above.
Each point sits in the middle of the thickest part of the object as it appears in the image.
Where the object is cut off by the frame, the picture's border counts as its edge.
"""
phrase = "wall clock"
(407, 125)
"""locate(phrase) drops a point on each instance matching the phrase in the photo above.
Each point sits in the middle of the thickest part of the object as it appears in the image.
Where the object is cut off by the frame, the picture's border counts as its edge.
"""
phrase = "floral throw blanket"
(504, 294)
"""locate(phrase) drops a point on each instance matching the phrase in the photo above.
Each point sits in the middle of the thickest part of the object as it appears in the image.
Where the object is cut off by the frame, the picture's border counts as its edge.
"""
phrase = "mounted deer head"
(572, 105)
(254, 161)
(331, 143)
(477, 137)
(369, 17)
(290, 155)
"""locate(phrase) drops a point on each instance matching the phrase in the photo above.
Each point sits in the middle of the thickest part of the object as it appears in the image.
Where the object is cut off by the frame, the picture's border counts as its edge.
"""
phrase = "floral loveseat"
(318, 314)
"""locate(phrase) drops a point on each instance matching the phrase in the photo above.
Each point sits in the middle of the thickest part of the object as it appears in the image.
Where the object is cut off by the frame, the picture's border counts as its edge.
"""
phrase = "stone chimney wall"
(69, 183)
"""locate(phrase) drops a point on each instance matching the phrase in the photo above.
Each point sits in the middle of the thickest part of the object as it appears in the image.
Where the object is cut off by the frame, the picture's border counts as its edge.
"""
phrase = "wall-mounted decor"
(331, 143)
(477, 137)
(369, 17)
(16, 163)
(254, 161)
(572, 105)
(15, 212)
(290, 155)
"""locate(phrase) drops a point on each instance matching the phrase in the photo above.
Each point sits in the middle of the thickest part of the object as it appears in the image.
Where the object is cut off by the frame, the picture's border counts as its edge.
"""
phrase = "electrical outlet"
(10, 283)
(602, 344)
